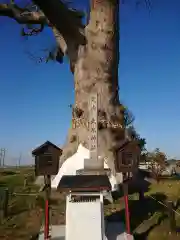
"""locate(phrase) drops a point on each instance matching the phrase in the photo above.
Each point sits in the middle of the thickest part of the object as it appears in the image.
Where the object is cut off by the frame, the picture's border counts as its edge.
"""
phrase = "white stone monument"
(85, 194)
(85, 210)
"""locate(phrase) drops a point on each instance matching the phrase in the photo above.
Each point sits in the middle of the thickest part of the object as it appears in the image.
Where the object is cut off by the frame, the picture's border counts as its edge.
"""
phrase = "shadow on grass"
(140, 184)
(34, 237)
(54, 201)
(137, 185)
(13, 211)
(144, 235)
(7, 173)
(141, 211)
(20, 205)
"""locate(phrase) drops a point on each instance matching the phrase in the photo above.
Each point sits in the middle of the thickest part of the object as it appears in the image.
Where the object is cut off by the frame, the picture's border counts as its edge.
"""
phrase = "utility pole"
(2, 156)
(4, 153)
(19, 162)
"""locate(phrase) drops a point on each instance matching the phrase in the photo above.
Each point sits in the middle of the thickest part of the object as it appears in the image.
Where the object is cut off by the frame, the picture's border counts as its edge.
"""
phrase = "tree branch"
(67, 21)
(32, 31)
(22, 15)
(66, 25)
(66, 47)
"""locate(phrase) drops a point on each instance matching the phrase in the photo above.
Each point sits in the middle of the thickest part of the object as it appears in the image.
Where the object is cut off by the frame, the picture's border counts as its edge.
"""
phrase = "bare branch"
(66, 47)
(60, 40)
(67, 27)
(67, 21)
(32, 31)
(22, 15)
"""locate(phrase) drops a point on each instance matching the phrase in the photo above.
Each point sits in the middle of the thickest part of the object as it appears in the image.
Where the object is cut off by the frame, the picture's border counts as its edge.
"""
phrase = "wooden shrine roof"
(84, 183)
(45, 146)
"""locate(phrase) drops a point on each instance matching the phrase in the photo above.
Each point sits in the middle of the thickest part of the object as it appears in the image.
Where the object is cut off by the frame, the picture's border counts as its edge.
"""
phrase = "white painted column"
(84, 219)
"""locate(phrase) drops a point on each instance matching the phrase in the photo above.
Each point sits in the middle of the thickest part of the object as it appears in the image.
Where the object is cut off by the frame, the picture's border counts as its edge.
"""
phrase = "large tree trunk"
(96, 70)
(94, 57)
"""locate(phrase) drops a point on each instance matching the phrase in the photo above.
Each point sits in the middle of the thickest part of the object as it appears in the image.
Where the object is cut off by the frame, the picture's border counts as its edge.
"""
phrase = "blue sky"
(34, 98)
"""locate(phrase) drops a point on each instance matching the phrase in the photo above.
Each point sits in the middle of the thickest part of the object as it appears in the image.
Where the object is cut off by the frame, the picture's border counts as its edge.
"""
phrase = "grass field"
(24, 214)
(149, 219)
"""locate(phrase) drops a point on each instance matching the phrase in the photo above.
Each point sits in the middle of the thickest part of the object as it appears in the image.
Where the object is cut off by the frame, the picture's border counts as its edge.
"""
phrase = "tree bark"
(96, 70)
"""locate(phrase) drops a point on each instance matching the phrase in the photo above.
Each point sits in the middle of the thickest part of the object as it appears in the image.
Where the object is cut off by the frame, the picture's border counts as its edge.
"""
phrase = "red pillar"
(48, 190)
(46, 230)
(127, 214)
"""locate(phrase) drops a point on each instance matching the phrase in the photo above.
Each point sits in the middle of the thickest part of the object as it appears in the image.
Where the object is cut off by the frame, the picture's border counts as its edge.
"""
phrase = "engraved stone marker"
(93, 163)
(93, 122)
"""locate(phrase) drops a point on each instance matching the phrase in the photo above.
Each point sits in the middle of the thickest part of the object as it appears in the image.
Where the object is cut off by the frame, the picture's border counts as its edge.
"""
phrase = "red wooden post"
(48, 186)
(127, 214)
(46, 232)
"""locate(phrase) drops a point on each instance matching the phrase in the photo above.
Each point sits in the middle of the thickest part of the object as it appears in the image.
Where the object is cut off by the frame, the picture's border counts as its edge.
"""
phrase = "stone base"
(57, 232)
(106, 171)
(114, 231)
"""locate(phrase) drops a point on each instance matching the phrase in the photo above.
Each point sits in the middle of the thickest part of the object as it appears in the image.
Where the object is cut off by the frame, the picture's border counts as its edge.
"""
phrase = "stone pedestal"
(86, 171)
(114, 231)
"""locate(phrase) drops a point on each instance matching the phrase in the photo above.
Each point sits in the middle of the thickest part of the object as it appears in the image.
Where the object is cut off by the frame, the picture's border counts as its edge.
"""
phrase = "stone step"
(114, 231)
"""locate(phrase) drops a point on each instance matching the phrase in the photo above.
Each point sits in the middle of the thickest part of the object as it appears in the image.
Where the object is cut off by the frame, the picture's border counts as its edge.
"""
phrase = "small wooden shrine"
(127, 157)
(47, 159)
(47, 164)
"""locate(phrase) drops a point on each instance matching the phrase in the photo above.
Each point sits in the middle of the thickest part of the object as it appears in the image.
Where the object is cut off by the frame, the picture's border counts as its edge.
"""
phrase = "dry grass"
(25, 211)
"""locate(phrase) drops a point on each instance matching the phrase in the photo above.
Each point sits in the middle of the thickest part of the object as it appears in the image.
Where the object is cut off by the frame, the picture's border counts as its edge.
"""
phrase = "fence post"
(171, 215)
(6, 200)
